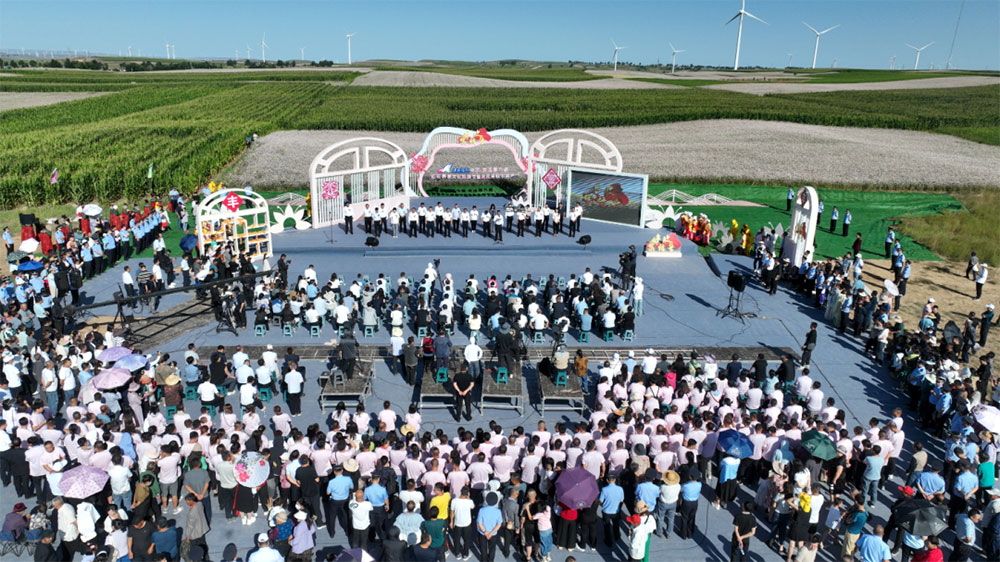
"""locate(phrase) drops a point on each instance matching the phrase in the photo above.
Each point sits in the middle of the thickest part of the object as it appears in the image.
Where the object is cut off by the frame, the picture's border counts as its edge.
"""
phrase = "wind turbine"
(130, 50)
(237, 53)
(140, 53)
(739, 34)
(673, 59)
(818, 33)
(917, 62)
(349, 35)
(789, 60)
(248, 51)
(617, 48)
(892, 62)
(302, 53)
(263, 46)
(168, 49)
(835, 59)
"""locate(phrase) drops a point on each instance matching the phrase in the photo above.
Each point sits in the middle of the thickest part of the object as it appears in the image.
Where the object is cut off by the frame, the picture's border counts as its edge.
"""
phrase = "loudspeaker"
(737, 281)
(27, 219)
(371, 242)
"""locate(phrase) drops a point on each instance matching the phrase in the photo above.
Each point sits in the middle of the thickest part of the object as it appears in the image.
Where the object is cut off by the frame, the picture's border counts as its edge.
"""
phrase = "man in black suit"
(810, 344)
(16, 465)
(760, 368)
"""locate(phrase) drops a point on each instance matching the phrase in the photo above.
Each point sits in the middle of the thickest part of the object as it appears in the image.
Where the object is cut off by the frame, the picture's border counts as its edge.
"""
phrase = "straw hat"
(351, 465)
(670, 478)
(641, 507)
(406, 429)
(172, 380)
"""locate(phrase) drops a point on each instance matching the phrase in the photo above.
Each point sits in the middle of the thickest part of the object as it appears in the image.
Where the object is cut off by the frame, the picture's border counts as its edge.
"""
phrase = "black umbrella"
(921, 517)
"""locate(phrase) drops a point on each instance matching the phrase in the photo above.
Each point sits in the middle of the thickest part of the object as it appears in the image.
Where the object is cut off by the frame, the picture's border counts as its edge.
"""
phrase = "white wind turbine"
(349, 35)
(130, 50)
(248, 51)
(617, 48)
(917, 62)
(789, 60)
(236, 53)
(263, 45)
(173, 52)
(739, 34)
(818, 33)
(892, 62)
(302, 53)
(140, 53)
(673, 58)
(168, 49)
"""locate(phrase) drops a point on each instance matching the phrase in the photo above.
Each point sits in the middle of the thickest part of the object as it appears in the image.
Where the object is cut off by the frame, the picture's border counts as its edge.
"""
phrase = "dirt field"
(952, 292)
(705, 75)
(17, 100)
(725, 150)
(403, 78)
(763, 88)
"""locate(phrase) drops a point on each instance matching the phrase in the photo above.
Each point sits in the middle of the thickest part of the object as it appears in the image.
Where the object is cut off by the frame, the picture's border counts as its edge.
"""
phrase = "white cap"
(270, 347)
(300, 516)
(262, 538)
(631, 353)
(649, 351)
(990, 306)
(931, 299)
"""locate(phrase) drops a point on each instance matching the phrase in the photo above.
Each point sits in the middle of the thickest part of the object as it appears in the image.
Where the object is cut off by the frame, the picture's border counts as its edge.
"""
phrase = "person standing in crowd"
(981, 275)
(744, 527)
(847, 221)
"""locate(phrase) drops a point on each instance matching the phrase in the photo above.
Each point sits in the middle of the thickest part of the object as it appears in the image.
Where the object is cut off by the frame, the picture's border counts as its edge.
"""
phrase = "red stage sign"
(232, 201)
(551, 179)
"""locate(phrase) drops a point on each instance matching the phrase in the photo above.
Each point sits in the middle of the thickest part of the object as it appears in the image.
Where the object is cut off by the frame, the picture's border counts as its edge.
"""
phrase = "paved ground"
(688, 318)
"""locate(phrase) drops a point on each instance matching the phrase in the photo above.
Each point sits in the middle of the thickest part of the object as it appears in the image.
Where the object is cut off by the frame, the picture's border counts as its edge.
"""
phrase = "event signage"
(451, 172)
(232, 201)
(551, 179)
(330, 190)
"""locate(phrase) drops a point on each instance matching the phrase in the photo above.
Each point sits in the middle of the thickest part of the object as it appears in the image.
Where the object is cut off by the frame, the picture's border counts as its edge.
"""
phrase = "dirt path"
(17, 100)
(724, 150)
(763, 88)
(406, 78)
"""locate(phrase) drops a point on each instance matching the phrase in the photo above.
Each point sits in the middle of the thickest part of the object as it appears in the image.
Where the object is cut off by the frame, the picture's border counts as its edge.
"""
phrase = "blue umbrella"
(131, 362)
(735, 444)
(188, 242)
(30, 265)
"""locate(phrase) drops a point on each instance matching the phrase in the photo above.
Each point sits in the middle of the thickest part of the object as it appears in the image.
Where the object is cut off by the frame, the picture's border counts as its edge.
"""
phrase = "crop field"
(191, 124)
(849, 76)
(542, 74)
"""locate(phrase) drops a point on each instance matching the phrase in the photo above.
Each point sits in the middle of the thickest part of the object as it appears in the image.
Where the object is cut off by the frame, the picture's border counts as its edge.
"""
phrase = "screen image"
(609, 197)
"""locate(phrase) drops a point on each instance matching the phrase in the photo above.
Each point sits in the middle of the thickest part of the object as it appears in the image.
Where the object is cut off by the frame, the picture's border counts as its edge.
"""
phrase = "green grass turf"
(517, 73)
(872, 213)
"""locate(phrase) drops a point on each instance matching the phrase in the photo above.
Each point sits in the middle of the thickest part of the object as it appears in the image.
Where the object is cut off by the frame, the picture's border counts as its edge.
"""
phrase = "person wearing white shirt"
(248, 392)
(473, 356)
(293, 384)
(310, 273)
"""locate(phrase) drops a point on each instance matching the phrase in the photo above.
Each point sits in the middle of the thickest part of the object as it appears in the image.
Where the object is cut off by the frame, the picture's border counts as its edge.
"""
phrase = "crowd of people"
(658, 437)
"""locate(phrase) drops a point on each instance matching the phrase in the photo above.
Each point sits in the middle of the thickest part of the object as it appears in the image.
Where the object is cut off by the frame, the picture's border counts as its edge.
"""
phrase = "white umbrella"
(29, 245)
(92, 210)
(988, 417)
(891, 287)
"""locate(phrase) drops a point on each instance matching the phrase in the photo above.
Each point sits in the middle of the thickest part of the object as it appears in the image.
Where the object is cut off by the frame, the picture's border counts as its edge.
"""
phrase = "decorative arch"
(240, 216)
(570, 148)
(454, 137)
(369, 167)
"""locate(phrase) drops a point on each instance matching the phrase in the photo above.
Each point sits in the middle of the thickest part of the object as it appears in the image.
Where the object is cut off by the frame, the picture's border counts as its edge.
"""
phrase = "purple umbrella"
(113, 354)
(132, 362)
(577, 488)
(112, 378)
(82, 482)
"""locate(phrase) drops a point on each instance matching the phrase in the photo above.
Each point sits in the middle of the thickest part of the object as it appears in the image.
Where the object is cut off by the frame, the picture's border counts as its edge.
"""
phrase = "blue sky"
(871, 30)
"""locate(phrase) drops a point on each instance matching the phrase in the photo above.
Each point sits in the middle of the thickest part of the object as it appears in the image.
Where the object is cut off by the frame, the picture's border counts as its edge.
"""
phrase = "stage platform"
(351, 392)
